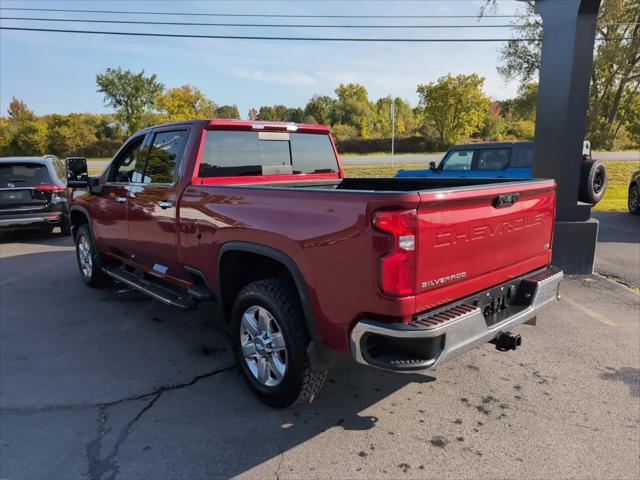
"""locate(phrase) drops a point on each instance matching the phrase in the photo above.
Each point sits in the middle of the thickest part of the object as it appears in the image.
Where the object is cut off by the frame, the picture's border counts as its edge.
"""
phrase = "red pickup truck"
(402, 273)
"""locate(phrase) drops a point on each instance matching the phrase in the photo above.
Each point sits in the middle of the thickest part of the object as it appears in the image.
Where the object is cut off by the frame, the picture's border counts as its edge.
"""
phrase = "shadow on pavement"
(156, 386)
(619, 227)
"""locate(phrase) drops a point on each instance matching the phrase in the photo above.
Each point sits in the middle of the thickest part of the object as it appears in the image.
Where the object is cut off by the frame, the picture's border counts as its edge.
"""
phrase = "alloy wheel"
(263, 346)
(85, 257)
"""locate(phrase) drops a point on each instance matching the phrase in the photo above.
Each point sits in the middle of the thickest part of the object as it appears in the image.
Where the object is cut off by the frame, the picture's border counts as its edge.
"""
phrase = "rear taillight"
(49, 188)
(398, 266)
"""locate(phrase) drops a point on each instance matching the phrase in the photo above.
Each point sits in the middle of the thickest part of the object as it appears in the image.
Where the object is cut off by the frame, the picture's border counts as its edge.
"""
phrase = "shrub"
(413, 144)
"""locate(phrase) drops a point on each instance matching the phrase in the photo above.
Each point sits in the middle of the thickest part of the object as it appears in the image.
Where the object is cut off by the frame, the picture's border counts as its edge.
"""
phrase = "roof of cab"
(265, 125)
(234, 124)
(41, 159)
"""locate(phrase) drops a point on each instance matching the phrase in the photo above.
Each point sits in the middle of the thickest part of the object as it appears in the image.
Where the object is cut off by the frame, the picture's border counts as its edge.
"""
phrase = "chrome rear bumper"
(15, 221)
(439, 335)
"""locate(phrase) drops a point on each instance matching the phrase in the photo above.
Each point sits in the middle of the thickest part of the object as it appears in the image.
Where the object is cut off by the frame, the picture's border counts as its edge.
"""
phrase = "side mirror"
(432, 165)
(77, 172)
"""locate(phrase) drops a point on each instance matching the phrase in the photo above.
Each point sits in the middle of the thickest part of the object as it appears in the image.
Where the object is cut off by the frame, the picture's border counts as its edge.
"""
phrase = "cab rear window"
(249, 153)
(23, 175)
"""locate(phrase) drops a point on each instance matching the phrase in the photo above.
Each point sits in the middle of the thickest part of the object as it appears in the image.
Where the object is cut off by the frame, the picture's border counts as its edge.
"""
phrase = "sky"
(55, 72)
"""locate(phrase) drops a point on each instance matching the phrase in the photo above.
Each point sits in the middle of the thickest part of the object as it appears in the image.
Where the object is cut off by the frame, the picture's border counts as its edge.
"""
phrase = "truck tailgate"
(472, 238)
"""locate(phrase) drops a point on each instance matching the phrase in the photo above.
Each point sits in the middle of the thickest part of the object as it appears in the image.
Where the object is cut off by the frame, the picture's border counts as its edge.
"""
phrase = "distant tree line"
(451, 109)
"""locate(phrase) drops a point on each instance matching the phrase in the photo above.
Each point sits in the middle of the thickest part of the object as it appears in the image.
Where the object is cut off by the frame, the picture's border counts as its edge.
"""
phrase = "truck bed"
(465, 242)
(379, 185)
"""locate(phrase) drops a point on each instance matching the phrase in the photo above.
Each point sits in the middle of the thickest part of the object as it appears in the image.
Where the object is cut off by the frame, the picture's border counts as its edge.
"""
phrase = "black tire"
(279, 298)
(97, 278)
(633, 201)
(47, 229)
(65, 227)
(593, 181)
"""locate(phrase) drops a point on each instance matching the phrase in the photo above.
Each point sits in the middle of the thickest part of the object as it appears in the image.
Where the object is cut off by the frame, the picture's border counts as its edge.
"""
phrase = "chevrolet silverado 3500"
(402, 273)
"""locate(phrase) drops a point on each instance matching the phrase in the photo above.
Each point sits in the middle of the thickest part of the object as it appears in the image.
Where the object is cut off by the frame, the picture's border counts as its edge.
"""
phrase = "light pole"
(393, 128)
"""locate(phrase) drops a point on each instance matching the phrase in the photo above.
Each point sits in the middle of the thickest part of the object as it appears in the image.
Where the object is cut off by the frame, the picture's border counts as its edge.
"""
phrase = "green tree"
(524, 105)
(67, 135)
(7, 134)
(295, 115)
(276, 113)
(343, 132)
(227, 111)
(404, 116)
(320, 108)
(352, 92)
(132, 95)
(454, 106)
(616, 66)
(184, 103)
(31, 138)
(19, 111)
(353, 108)
(493, 125)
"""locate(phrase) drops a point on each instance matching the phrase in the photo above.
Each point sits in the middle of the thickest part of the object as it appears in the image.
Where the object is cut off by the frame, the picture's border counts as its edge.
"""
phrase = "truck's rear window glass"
(23, 175)
(239, 153)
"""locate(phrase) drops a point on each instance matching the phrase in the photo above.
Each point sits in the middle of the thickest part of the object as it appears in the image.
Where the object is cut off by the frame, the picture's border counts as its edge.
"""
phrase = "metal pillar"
(569, 28)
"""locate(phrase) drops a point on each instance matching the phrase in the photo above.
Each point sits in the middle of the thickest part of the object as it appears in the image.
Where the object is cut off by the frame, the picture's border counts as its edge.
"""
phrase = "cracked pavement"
(107, 384)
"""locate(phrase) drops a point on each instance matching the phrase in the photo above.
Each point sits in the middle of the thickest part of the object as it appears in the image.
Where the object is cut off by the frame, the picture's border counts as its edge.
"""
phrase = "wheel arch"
(79, 216)
(320, 355)
(254, 250)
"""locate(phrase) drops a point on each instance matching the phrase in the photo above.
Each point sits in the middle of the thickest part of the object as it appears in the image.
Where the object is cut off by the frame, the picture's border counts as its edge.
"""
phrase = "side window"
(523, 158)
(458, 160)
(60, 168)
(127, 163)
(493, 158)
(165, 154)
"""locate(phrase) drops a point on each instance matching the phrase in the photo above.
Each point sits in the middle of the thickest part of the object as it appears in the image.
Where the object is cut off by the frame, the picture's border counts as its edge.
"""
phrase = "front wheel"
(270, 340)
(89, 259)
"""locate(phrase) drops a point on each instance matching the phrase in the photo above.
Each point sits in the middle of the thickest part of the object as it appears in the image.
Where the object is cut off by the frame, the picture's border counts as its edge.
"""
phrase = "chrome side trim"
(27, 221)
(467, 331)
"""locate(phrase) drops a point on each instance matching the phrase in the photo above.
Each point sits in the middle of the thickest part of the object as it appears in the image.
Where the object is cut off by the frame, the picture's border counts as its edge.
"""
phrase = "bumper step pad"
(449, 315)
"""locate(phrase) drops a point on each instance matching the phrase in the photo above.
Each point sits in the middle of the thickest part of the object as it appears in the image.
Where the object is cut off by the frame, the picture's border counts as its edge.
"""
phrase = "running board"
(154, 290)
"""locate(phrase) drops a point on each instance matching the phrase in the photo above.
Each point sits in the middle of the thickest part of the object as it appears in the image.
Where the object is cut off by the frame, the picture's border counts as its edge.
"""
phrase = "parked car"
(257, 217)
(510, 160)
(33, 194)
(634, 194)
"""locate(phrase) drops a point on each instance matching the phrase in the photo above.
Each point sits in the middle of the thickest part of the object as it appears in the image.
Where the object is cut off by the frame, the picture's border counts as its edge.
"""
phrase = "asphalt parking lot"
(107, 384)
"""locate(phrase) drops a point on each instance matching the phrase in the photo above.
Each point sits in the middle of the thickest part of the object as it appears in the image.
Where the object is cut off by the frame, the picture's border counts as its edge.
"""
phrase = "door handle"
(165, 204)
(121, 199)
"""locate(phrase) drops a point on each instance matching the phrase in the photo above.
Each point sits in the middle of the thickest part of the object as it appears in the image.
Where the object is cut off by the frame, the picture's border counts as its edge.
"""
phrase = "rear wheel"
(89, 259)
(634, 199)
(270, 340)
(593, 181)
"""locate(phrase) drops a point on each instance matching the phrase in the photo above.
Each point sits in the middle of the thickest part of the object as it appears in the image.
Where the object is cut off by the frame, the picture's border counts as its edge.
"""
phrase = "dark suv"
(33, 194)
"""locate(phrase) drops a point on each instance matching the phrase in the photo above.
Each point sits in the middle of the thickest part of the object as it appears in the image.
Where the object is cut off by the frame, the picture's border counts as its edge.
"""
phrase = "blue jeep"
(509, 160)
